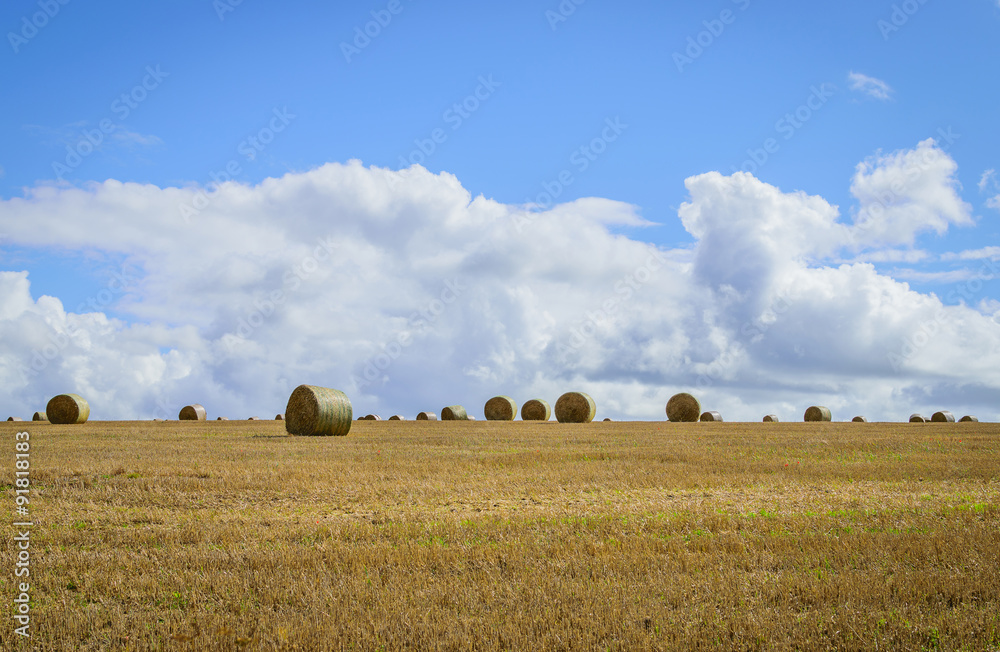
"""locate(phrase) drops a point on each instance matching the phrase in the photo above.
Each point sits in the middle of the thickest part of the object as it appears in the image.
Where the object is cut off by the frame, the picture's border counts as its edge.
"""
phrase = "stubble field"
(521, 536)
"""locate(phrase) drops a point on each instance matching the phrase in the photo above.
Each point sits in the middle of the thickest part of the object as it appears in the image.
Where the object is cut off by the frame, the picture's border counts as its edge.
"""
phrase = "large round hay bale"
(575, 407)
(683, 407)
(770, 418)
(944, 416)
(817, 413)
(39, 416)
(968, 418)
(14, 419)
(454, 413)
(195, 412)
(711, 415)
(536, 410)
(500, 408)
(427, 416)
(318, 411)
(917, 418)
(68, 408)
(397, 417)
(859, 419)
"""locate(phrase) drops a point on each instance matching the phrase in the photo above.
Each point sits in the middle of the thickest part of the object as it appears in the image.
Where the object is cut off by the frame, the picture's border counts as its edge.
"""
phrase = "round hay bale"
(157, 420)
(253, 418)
(68, 408)
(770, 418)
(318, 411)
(279, 417)
(969, 417)
(372, 417)
(500, 408)
(711, 415)
(195, 412)
(859, 420)
(817, 413)
(14, 419)
(39, 416)
(575, 407)
(917, 418)
(454, 413)
(607, 418)
(944, 416)
(471, 418)
(222, 418)
(397, 417)
(536, 410)
(427, 416)
(683, 407)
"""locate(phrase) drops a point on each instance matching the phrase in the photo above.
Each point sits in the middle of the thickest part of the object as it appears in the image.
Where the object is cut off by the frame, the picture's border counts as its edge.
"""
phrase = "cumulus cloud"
(405, 291)
(870, 86)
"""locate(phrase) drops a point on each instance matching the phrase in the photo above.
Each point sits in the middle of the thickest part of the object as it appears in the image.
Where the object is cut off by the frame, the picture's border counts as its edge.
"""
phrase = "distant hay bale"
(770, 418)
(253, 418)
(39, 416)
(944, 416)
(536, 410)
(279, 417)
(969, 417)
(157, 420)
(711, 415)
(222, 418)
(607, 418)
(917, 418)
(318, 411)
(471, 418)
(683, 407)
(372, 417)
(195, 412)
(427, 416)
(454, 413)
(397, 417)
(817, 413)
(575, 407)
(68, 408)
(14, 419)
(859, 420)
(500, 408)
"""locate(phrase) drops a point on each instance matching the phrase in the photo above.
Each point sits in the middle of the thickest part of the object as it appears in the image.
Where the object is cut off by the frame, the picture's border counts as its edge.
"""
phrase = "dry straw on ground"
(427, 416)
(575, 407)
(68, 408)
(500, 408)
(683, 407)
(817, 413)
(194, 412)
(859, 419)
(454, 413)
(968, 418)
(318, 411)
(944, 416)
(770, 418)
(536, 410)
(39, 416)
(711, 415)
(917, 418)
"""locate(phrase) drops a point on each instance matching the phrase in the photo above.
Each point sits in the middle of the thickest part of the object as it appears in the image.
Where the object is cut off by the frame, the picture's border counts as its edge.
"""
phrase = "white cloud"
(408, 293)
(870, 86)
(973, 254)
(988, 180)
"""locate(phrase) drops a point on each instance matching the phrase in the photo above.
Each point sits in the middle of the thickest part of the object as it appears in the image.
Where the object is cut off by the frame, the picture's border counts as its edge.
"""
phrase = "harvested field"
(511, 535)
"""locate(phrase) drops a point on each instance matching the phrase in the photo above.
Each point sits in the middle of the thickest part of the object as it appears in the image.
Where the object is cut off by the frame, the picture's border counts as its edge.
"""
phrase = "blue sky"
(622, 102)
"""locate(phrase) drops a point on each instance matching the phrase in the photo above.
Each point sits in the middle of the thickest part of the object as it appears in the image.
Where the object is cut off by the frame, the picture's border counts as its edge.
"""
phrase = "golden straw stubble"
(536, 410)
(683, 407)
(194, 412)
(500, 408)
(67, 408)
(575, 407)
(817, 413)
(454, 413)
(318, 411)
